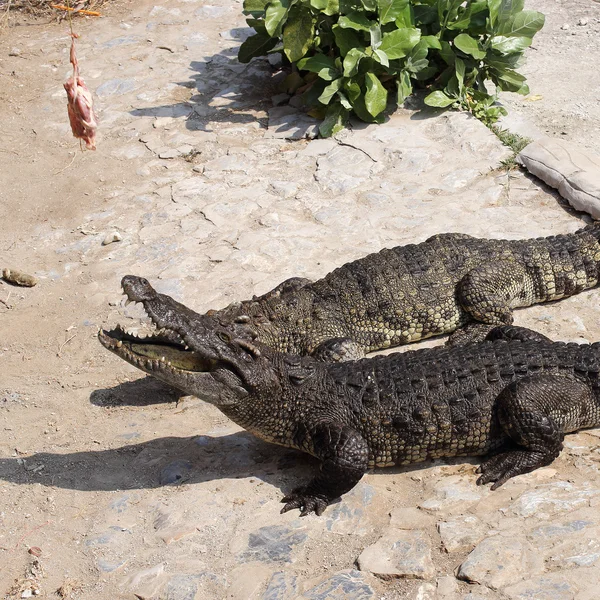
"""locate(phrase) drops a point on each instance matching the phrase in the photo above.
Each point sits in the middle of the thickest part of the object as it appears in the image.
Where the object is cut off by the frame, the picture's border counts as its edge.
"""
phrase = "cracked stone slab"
(499, 561)
(399, 553)
(286, 122)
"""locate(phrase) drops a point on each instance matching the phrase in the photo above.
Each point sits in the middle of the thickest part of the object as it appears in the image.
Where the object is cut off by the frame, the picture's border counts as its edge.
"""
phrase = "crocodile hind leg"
(488, 293)
(535, 413)
(345, 457)
(338, 350)
(517, 334)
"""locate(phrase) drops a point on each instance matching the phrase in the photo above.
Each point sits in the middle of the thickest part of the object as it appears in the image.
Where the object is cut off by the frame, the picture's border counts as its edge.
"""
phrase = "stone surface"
(499, 561)
(399, 553)
(347, 585)
(143, 492)
(274, 543)
(461, 534)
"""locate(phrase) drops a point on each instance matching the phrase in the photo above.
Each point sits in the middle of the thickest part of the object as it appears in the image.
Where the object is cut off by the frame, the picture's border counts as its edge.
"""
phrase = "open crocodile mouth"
(163, 350)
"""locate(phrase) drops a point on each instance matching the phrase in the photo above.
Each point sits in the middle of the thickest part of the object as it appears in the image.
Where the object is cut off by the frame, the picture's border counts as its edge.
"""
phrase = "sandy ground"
(213, 204)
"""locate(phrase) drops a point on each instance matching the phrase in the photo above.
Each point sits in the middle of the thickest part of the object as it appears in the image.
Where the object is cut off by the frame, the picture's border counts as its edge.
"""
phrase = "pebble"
(399, 553)
(565, 27)
(15, 52)
(110, 238)
(582, 22)
(19, 278)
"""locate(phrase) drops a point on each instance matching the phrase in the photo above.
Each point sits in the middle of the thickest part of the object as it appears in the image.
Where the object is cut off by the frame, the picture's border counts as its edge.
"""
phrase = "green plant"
(347, 55)
(514, 141)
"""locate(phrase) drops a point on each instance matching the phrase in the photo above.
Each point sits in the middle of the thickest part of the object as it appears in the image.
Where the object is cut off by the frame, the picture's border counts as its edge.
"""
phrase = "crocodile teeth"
(119, 343)
(187, 347)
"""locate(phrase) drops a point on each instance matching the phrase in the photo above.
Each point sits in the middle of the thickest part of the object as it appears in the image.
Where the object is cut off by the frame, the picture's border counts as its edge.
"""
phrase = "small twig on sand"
(63, 345)
(5, 302)
(65, 168)
(90, 13)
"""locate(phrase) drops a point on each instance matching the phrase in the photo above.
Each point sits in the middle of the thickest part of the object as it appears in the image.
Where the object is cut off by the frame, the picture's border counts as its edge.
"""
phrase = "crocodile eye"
(144, 281)
(224, 337)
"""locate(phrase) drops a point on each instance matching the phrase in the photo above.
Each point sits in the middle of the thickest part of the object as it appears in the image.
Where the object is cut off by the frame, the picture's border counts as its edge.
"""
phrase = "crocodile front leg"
(535, 413)
(490, 292)
(345, 457)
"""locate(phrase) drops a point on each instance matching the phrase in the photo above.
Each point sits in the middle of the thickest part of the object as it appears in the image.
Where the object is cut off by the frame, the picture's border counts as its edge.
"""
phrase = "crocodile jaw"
(208, 379)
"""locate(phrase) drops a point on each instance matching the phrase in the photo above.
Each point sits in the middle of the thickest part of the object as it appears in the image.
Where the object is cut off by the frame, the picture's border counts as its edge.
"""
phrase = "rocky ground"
(113, 486)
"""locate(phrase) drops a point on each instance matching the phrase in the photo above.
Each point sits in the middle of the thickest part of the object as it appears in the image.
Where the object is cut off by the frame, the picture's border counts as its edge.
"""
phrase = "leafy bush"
(349, 54)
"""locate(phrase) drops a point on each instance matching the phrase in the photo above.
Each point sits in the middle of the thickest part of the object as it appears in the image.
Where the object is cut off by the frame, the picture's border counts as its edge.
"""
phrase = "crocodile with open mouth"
(514, 397)
(409, 293)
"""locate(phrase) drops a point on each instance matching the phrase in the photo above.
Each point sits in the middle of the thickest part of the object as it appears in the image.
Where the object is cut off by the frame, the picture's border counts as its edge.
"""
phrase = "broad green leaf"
(404, 87)
(465, 43)
(344, 101)
(323, 65)
(256, 7)
(330, 91)
(355, 20)
(258, 25)
(438, 99)
(256, 45)
(375, 34)
(381, 57)
(375, 96)
(459, 65)
(524, 24)
(334, 120)
(369, 5)
(502, 10)
(510, 45)
(425, 74)
(329, 7)
(353, 90)
(276, 15)
(416, 60)
(447, 53)
(360, 110)
(406, 18)
(347, 39)
(351, 61)
(431, 41)
(297, 34)
(390, 10)
(424, 15)
(400, 42)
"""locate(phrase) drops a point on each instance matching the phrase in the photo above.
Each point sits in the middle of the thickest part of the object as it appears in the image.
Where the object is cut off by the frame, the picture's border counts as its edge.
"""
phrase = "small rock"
(18, 278)
(398, 553)
(115, 236)
(447, 588)
(275, 59)
(582, 22)
(35, 550)
(565, 27)
(15, 52)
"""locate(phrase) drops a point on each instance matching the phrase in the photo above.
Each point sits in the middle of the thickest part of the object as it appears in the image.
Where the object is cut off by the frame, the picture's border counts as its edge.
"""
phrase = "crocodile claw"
(307, 503)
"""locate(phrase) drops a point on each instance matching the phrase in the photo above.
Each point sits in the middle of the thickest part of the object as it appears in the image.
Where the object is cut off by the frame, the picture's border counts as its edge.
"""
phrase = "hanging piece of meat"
(80, 105)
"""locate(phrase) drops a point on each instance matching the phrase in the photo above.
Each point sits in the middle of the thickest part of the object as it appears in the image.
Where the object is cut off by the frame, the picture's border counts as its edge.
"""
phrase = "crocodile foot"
(502, 467)
(305, 501)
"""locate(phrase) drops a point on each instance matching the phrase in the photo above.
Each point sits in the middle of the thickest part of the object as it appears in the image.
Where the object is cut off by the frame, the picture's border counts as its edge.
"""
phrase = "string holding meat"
(80, 104)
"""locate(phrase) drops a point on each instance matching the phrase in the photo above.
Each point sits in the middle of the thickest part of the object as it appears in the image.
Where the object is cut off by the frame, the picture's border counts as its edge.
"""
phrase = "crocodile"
(514, 396)
(409, 293)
